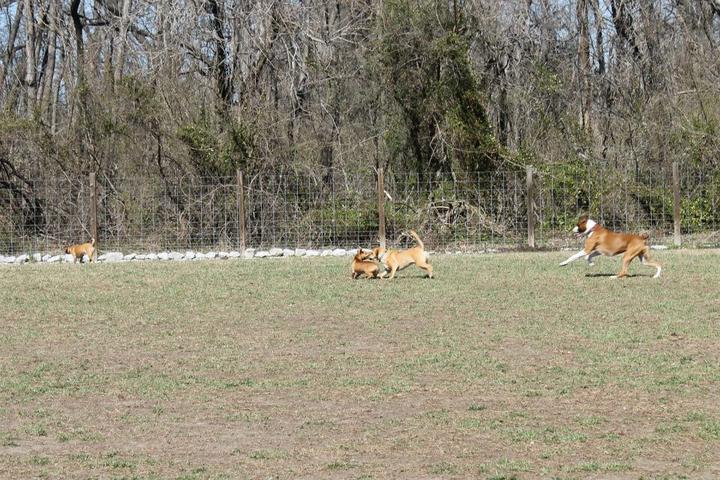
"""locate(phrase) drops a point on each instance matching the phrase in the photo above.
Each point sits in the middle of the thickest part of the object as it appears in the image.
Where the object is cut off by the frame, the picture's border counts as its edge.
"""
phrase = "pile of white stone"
(248, 253)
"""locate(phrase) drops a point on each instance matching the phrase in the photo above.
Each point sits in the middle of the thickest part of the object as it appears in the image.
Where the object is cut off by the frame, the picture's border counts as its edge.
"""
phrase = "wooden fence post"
(240, 194)
(381, 205)
(677, 239)
(530, 206)
(93, 211)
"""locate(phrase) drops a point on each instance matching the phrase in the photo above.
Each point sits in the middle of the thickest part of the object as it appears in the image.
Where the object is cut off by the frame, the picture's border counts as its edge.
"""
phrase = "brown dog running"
(395, 260)
(362, 266)
(601, 241)
(79, 250)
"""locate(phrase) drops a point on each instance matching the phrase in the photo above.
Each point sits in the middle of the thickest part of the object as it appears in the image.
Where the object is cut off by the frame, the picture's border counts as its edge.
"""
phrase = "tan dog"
(362, 266)
(79, 250)
(395, 260)
(601, 241)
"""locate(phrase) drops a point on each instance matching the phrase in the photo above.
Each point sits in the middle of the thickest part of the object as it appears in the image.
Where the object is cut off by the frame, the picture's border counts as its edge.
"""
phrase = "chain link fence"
(465, 211)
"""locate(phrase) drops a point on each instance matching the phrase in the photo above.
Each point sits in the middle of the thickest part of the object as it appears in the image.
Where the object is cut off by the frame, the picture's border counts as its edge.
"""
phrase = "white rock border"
(177, 256)
(247, 254)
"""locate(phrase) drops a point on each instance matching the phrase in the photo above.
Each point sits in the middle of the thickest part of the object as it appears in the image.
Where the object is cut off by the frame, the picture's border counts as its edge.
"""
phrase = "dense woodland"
(155, 90)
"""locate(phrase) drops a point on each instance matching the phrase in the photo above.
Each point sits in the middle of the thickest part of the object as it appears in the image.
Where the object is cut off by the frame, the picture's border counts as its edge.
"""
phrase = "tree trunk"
(221, 71)
(79, 42)
(47, 89)
(55, 93)
(30, 84)
(584, 65)
(623, 22)
(8, 56)
(653, 62)
(120, 48)
(599, 40)
(81, 88)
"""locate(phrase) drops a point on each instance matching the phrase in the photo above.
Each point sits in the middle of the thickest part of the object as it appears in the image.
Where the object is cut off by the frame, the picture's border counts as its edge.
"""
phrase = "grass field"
(503, 366)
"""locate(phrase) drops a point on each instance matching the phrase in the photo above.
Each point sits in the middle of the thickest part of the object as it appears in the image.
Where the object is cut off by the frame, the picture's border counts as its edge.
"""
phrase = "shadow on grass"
(407, 277)
(397, 277)
(608, 275)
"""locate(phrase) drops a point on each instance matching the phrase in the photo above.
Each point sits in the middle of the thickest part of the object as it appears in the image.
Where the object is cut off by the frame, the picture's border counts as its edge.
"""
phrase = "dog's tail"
(417, 239)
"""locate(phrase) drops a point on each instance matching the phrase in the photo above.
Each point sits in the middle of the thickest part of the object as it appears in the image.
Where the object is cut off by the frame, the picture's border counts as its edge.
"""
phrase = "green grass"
(503, 366)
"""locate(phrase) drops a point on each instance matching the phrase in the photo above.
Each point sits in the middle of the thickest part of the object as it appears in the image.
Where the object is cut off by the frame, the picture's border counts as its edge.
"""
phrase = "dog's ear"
(583, 218)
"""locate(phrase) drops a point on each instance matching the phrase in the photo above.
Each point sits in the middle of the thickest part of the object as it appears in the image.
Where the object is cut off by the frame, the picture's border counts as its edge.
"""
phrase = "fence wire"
(464, 211)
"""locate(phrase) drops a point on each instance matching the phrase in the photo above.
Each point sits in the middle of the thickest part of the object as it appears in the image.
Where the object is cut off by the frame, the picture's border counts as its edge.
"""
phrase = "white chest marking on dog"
(589, 227)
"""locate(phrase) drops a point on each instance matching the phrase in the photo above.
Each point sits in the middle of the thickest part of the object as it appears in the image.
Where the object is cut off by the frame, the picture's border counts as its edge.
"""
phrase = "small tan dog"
(362, 266)
(395, 260)
(601, 241)
(82, 249)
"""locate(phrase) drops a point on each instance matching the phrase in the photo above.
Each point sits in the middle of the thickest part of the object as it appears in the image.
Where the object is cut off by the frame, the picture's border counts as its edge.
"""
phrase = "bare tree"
(30, 84)
(585, 69)
(122, 39)
(9, 52)
(203, 87)
(46, 92)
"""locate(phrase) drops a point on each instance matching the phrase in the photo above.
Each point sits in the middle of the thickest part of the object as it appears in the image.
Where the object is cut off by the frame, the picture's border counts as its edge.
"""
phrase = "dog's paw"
(562, 264)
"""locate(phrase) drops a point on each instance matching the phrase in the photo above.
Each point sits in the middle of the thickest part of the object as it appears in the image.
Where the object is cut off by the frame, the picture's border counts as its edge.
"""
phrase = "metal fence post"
(677, 239)
(240, 196)
(93, 211)
(381, 205)
(530, 206)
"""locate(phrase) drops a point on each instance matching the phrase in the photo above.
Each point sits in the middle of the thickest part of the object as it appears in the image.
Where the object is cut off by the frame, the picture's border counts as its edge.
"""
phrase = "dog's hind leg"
(645, 260)
(627, 258)
(427, 267)
(590, 257)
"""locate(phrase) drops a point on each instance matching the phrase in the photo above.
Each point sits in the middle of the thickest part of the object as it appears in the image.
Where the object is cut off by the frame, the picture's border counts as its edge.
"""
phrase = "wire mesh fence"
(469, 210)
(307, 211)
(464, 211)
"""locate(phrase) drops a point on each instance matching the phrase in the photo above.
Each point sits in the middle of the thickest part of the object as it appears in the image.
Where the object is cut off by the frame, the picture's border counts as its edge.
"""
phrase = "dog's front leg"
(578, 255)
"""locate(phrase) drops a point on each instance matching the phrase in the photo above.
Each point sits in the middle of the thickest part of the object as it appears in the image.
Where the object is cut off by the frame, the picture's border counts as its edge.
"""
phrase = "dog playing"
(82, 249)
(601, 241)
(395, 260)
(362, 266)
